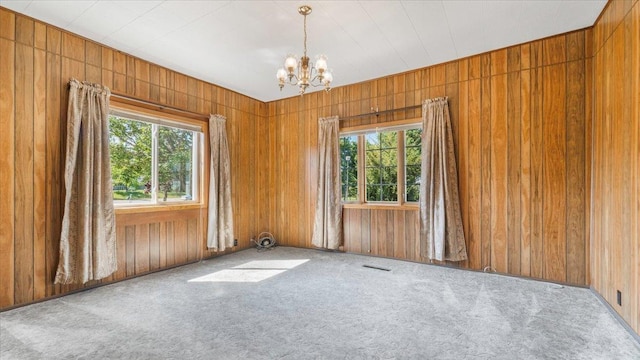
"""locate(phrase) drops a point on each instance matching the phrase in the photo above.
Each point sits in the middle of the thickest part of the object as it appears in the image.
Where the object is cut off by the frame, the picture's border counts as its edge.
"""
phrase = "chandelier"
(302, 73)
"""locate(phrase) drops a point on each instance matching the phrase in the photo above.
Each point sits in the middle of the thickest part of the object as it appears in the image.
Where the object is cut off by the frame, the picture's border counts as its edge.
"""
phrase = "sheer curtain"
(441, 231)
(327, 228)
(88, 237)
(220, 221)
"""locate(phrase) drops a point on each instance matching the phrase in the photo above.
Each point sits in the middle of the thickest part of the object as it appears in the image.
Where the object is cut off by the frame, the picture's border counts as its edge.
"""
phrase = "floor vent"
(375, 267)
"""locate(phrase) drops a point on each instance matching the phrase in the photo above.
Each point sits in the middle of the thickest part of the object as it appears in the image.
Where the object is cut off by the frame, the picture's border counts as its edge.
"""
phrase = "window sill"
(137, 209)
(406, 207)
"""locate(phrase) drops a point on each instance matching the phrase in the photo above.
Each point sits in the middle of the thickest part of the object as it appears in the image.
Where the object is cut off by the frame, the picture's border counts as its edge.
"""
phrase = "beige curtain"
(327, 228)
(88, 237)
(441, 232)
(220, 222)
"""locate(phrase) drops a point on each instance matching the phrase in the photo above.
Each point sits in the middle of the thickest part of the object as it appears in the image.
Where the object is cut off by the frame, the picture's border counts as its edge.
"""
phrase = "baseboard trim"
(615, 314)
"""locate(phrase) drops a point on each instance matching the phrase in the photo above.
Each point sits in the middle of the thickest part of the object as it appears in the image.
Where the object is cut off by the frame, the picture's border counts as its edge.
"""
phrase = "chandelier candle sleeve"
(301, 72)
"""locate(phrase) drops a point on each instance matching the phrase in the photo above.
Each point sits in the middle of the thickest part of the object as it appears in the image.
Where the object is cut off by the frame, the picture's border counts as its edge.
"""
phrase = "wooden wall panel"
(36, 63)
(505, 196)
(23, 199)
(498, 173)
(473, 191)
(7, 162)
(615, 148)
(485, 171)
(575, 171)
(518, 116)
(554, 172)
(514, 238)
(525, 172)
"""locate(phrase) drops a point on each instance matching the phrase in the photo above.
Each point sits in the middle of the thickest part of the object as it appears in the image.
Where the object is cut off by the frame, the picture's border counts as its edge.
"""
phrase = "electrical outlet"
(619, 297)
(235, 242)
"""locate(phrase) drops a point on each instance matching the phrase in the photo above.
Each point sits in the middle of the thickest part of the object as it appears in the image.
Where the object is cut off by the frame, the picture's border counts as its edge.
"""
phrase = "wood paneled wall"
(615, 212)
(36, 62)
(521, 119)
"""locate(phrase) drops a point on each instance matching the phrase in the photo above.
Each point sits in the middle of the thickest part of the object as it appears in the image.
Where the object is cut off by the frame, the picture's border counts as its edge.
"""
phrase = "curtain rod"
(160, 107)
(377, 113)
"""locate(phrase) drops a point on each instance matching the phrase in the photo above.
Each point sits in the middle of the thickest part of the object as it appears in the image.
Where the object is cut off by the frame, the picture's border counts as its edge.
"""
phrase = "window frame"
(199, 175)
(360, 132)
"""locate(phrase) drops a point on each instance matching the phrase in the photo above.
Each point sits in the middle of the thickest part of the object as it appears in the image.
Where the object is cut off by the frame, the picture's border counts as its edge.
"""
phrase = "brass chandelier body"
(302, 73)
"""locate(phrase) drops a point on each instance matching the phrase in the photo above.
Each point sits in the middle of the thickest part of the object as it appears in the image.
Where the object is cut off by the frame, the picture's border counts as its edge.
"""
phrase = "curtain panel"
(87, 240)
(441, 230)
(220, 216)
(327, 227)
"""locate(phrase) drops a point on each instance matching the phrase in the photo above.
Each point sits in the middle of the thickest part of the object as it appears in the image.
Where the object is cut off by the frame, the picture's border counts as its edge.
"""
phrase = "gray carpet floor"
(291, 303)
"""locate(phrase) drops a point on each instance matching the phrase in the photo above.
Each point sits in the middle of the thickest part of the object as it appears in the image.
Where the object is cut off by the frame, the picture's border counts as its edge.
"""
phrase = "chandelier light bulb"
(281, 74)
(291, 63)
(321, 63)
(327, 78)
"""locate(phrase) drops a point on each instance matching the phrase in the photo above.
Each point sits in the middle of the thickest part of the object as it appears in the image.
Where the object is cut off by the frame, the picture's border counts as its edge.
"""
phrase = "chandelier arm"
(292, 80)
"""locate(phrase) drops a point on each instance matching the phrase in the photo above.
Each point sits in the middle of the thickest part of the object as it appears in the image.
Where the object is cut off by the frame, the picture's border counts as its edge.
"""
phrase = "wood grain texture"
(499, 174)
(7, 163)
(23, 197)
(463, 155)
(503, 105)
(536, 174)
(615, 153)
(36, 62)
(514, 171)
(485, 173)
(576, 162)
(554, 172)
(39, 174)
(525, 173)
(274, 157)
(474, 190)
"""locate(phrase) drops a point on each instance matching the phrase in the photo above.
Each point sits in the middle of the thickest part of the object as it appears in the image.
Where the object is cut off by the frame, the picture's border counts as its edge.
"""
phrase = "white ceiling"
(240, 44)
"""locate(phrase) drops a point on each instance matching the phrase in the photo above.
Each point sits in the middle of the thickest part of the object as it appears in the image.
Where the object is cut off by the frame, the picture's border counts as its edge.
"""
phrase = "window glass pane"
(349, 167)
(373, 175)
(130, 148)
(381, 166)
(413, 155)
(413, 163)
(413, 137)
(389, 193)
(389, 157)
(413, 174)
(413, 193)
(175, 161)
(372, 141)
(388, 140)
(151, 163)
(389, 175)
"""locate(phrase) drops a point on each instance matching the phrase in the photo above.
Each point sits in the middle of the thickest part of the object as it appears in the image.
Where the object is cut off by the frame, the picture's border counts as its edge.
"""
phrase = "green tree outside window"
(131, 147)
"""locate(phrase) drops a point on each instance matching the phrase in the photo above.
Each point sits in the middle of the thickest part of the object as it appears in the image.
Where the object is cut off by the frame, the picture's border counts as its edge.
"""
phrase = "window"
(153, 161)
(389, 162)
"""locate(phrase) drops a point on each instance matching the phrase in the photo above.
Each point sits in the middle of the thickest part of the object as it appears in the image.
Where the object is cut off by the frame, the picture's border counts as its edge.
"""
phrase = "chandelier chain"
(305, 35)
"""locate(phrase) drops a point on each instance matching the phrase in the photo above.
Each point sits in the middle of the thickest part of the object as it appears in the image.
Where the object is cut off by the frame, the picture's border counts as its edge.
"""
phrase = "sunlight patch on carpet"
(253, 271)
